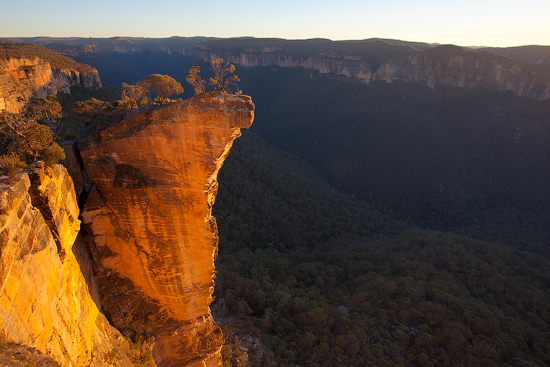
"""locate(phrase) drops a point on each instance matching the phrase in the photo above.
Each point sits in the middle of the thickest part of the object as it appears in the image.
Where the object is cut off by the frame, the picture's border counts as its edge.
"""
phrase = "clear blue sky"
(465, 22)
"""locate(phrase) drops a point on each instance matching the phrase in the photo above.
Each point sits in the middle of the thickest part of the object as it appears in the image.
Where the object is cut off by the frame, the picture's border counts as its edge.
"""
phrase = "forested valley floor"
(320, 278)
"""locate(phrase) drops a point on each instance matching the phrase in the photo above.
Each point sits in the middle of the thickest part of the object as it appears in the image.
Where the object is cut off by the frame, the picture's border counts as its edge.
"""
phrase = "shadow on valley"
(472, 161)
(328, 281)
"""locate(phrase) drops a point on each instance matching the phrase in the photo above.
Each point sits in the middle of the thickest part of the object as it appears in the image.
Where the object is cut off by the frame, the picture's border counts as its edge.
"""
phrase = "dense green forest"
(321, 279)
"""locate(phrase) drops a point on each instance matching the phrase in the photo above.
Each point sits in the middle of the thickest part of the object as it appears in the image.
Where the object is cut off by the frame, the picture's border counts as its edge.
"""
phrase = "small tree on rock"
(29, 135)
(24, 136)
(132, 95)
(45, 110)
(195, 80)
(222, 79)
(162, 86)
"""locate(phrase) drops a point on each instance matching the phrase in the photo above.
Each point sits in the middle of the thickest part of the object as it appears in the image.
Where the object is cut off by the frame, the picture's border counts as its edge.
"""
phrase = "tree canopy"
(221, 80)
(161, 86)
(30, 135)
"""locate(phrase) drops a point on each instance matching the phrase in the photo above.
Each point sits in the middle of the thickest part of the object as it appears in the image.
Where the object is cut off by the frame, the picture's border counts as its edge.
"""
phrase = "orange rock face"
(44, 298)
(155, 178)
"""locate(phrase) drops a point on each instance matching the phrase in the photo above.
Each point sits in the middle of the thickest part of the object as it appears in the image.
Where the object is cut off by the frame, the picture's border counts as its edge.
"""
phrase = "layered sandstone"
(44, 298)
(455, 66)
(24, 78)
(149, 213)
(439, 66)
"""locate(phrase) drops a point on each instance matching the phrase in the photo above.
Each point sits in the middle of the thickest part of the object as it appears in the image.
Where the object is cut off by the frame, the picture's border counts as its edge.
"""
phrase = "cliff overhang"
(154, 178)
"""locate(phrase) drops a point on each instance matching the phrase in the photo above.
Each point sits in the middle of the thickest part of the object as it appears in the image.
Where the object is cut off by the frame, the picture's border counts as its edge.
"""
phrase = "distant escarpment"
(30, 71)
(455, 66)
(154, 179)
(439, 66)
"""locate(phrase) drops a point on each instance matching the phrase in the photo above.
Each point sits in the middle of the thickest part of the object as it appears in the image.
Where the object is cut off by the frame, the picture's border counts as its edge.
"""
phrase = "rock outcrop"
(44, 297)
(24, 78)
(154, 179)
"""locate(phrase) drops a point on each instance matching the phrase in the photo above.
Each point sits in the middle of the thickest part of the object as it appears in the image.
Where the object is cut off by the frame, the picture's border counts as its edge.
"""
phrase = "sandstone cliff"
(44, 298)
(149, 213)
(24, 75)
(455, 66)
(444, 65)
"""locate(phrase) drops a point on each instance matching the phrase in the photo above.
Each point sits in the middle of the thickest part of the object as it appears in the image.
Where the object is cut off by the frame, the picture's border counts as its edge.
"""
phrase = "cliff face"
(44, 298)
(24, 78)
(455, 66)
(182, 47)
(149, 214)
(444, 65)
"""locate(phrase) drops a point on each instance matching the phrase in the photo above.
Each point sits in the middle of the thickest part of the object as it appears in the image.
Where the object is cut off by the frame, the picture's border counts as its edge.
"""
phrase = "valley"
(366, 222)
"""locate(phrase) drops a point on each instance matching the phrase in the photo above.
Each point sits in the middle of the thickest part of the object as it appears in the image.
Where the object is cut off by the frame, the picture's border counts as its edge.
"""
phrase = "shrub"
(53, 154)
(11, 164)
(111, 356)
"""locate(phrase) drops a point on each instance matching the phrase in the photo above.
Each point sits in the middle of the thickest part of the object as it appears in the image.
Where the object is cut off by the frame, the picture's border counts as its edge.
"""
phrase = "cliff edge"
(154, 179)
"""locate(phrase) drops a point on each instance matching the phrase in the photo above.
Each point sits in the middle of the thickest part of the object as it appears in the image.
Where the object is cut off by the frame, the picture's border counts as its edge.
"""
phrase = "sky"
(466, 23)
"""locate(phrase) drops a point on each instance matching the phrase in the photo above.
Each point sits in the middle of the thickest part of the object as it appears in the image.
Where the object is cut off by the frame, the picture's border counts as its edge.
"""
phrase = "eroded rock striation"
(154, 179)
(44, 298)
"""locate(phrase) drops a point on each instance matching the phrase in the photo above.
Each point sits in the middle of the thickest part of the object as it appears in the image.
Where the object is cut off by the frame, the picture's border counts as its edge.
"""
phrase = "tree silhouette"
(221, 80)
(131, 96)
(195, 80)
(163, 87)
(221, 71)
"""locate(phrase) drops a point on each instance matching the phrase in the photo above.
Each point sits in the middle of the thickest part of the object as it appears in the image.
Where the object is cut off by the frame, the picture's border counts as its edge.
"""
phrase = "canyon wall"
(24, 78)
(154, 179)
(439, 66)
(455, 66)
(44, 298)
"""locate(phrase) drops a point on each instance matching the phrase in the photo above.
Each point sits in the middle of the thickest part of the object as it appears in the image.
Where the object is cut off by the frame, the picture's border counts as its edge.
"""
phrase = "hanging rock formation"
(149, 214)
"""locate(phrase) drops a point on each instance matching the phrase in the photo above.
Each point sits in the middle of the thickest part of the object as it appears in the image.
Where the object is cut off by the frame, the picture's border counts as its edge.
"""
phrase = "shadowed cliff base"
(154, 179)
